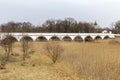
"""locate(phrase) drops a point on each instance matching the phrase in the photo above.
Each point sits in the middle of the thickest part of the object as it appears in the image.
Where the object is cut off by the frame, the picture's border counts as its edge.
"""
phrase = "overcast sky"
(105, 12)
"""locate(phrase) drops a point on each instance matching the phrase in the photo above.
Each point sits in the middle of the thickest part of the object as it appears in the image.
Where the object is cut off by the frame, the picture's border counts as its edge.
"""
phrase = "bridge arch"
(28, 38)
(106, 37)
(67, 38)
(55, 38)
(78, 38)
(41, 38)
(88, 38)
(98, 37)
(9, 39)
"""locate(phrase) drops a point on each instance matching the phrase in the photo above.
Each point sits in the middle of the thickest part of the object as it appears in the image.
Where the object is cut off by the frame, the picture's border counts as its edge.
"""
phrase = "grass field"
(98, 60)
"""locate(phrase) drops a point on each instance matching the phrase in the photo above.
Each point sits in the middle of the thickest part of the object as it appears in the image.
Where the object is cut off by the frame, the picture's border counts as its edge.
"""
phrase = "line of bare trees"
(68, 25)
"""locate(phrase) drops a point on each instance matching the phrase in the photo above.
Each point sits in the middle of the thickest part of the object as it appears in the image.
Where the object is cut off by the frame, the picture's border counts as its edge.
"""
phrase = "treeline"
(68, 25)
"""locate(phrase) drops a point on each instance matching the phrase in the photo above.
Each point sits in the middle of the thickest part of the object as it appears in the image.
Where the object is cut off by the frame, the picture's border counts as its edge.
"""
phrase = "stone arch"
(98, 37)
(106, 37)
(78, 38)
(9, 39)
(88, 38)
(28, 38)
(55, 38)
(67, 38)
(41, 38)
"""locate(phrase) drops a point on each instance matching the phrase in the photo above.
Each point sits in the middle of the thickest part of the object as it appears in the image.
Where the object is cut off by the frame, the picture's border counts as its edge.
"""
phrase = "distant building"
(104, 31)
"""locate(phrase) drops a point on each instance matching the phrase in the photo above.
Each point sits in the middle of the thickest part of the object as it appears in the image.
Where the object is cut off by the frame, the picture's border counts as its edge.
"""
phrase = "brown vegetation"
(25, 43)
(68, 25)
(79, 61)
(53, 50)
(7, 44)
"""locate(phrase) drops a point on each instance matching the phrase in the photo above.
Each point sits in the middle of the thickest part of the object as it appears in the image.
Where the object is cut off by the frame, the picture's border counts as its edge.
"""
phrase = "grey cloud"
(37, 11)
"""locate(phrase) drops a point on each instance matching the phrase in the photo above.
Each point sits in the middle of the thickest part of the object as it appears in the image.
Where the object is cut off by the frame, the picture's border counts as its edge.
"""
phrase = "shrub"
(53, 50)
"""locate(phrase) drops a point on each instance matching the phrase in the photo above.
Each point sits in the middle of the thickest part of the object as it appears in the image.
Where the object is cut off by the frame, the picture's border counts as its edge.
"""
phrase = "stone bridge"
(57, 36)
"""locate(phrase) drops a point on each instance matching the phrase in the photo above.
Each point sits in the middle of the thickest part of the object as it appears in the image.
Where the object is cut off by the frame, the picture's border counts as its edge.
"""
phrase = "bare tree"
(7, 44)
(25, 43)
(117, 27)
(53, 50)
(25, 48)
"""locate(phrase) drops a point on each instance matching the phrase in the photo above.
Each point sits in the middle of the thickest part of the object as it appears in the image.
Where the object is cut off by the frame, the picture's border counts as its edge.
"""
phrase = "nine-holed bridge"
(57, 36)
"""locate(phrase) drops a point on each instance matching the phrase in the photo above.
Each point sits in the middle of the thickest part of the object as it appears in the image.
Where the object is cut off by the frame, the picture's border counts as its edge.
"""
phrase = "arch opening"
(9, 39)
(54, 38)
(78, 39)
(27, 38)
(106, 37)
(98, 38)
(88, 39)
(67, 38)
(41, 38)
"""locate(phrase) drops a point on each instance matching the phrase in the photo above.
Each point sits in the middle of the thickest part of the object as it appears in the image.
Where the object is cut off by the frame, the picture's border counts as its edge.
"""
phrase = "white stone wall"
(34, 36)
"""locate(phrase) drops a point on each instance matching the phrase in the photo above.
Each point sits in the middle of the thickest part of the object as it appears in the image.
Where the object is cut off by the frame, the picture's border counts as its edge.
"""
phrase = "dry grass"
(80, 61)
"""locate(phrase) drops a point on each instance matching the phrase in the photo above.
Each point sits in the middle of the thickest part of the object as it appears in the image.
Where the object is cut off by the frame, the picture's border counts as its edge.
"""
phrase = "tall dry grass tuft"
(92, 61)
